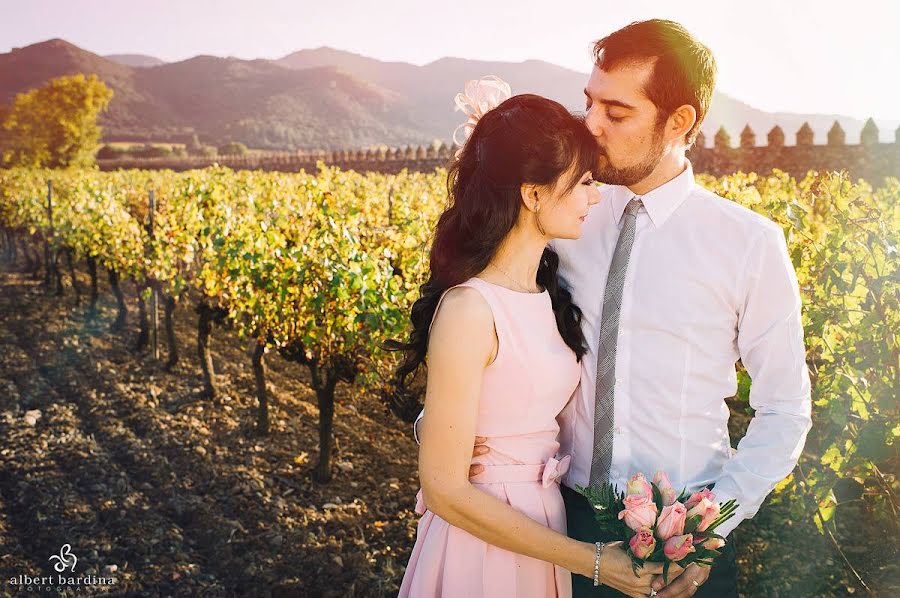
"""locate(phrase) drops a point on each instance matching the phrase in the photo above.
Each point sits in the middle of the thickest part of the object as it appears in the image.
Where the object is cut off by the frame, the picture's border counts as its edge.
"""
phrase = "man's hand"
(480, 449)
(686, 581)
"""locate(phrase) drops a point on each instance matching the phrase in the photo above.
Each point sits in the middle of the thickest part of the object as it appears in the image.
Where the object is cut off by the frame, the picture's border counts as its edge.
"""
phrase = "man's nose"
(593, 124)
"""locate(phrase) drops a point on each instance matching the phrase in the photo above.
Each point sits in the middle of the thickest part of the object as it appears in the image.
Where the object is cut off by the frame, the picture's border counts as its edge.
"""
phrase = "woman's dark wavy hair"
(526, 139)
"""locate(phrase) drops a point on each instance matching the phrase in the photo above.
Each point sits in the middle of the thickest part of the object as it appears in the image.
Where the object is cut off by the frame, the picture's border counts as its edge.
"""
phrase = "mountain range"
(327, 99)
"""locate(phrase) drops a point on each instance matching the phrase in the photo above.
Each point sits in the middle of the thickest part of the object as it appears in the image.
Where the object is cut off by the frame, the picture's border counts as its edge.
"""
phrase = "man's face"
(624, 122)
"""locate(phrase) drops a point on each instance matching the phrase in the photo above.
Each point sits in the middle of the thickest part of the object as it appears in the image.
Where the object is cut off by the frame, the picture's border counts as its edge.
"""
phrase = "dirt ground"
(174, 495)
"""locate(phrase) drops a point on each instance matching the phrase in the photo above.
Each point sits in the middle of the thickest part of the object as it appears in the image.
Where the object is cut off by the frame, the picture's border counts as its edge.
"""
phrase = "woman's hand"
(616, 570)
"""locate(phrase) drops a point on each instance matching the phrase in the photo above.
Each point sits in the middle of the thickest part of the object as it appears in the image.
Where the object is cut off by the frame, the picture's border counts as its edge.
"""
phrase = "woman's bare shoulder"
(464, 306)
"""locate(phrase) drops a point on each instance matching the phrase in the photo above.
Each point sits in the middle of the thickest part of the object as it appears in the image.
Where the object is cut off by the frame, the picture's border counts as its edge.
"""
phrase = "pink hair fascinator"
(479, 97)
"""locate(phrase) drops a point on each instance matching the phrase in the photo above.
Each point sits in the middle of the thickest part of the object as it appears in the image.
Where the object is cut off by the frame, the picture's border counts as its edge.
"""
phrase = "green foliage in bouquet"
(607, 502)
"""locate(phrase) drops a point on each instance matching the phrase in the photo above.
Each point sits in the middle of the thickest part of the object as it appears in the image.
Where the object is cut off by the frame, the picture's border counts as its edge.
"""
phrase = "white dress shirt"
(708, 282)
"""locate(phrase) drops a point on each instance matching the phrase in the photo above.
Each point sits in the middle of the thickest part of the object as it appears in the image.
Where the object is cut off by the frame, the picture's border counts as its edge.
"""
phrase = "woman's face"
(562, 212)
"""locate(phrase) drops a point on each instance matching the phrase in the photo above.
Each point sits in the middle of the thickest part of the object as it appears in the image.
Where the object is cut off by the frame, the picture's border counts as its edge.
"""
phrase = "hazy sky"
(819, 56)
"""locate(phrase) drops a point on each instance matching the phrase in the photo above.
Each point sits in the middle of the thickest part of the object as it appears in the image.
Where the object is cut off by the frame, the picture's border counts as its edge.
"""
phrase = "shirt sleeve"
(770, 342)
(416, 426)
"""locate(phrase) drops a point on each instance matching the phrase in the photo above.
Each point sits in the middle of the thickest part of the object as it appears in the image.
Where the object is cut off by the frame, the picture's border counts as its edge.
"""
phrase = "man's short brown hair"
(684, 70)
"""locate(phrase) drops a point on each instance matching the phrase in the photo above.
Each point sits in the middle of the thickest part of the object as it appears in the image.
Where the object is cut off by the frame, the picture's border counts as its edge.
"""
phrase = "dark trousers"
(722, 582)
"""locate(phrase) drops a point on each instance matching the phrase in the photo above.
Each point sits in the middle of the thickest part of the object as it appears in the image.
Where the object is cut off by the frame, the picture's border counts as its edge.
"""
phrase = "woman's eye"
(590, 182)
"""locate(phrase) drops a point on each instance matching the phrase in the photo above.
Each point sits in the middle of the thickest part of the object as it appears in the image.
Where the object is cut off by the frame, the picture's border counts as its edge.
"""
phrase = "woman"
(503, 344)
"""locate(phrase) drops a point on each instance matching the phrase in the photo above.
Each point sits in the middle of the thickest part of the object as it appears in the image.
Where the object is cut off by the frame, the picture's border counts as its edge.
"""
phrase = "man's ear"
(680, 122)
(529, 192)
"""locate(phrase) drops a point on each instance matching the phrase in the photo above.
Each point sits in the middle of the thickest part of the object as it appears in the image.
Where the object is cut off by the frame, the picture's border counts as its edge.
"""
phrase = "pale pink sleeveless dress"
(523, 390)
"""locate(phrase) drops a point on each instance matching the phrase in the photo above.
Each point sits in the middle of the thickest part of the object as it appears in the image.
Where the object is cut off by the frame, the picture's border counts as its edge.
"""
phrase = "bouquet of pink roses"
(657, 525)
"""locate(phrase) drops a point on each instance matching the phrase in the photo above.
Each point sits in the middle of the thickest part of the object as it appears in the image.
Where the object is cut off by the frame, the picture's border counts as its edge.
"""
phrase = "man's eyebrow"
(609, 102)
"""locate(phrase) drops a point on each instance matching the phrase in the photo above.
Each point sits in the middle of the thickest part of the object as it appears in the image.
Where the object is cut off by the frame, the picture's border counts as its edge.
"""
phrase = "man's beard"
(630, 175)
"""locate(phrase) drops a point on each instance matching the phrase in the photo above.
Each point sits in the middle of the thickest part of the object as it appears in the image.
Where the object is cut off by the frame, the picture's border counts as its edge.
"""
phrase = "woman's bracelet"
(600, 546)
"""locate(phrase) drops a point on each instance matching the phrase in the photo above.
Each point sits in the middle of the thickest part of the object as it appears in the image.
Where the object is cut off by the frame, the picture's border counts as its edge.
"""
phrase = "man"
(675, 284)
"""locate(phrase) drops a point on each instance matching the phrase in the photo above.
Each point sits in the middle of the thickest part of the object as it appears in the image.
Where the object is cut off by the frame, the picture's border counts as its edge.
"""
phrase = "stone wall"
(869, 159)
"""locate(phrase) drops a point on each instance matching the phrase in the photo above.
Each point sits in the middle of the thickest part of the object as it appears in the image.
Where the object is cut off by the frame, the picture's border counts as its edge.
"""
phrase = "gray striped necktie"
(606, 350)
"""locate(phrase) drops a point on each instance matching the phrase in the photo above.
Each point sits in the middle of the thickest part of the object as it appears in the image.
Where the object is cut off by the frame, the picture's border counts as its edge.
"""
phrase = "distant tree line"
(153, 150)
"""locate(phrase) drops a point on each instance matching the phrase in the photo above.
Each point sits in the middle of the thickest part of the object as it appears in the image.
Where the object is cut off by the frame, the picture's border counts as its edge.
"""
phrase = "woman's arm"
(461, 345)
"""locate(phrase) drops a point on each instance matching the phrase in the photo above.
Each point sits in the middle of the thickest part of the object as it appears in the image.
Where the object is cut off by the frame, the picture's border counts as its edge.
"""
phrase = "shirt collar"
(661, 202)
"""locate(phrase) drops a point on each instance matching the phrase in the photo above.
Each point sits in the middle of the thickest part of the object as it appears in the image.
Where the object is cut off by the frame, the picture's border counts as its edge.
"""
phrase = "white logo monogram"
(64, 561)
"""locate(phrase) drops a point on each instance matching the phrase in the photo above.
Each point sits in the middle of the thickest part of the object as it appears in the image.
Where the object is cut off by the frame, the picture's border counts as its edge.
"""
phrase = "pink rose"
(661, 479)
(639, 512)
(639, 486)
(671, 521)
(698, 496)
(678, 547)
(642, 543)
(710, 543)
(708, 511)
